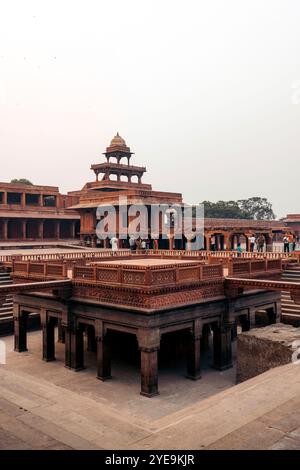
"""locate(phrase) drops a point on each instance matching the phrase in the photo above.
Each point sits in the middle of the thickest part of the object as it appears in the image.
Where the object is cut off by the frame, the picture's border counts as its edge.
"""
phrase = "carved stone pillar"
(103, 358)
(222, 346)
(149, 342)
(20, 330)
(5, 229)
(73, 232)
(48, 340)
(23, 235)
(193, 352)
(74, 351)
(41, 229)
(103, 351)
(57, 229)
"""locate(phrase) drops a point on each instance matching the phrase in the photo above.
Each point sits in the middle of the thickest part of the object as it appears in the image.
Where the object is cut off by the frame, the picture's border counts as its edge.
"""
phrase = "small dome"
(118, 141)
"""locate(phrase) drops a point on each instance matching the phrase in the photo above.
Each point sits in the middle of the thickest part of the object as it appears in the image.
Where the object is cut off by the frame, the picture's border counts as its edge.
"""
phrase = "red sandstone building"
(30, 212)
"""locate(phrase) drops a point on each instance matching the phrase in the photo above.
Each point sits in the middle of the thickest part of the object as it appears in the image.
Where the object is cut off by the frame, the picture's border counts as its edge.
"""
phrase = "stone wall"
(262, 349)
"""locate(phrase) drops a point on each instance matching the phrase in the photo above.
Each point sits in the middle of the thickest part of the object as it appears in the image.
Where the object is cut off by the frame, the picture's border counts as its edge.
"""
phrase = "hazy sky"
(202, 91)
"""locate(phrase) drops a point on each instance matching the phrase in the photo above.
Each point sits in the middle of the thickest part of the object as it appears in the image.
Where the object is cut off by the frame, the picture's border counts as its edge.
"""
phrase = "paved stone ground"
(45, 406)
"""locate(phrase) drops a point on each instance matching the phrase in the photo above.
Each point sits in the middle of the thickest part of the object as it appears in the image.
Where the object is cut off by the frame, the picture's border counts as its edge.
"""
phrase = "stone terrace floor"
(45, 406)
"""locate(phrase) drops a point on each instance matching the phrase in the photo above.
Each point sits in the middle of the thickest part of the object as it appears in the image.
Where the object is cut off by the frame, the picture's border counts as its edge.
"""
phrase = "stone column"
(48, 340)
(73, 233)
(20, 329)
(57, 229)
(149, 342)
(103, 358)
(5, 229)
(227, 242)
(74, 353)
(4, 197)
(193, 351)
(23, 199)
(41, 229)
(222, 346)
(24, 229)
(193, 357)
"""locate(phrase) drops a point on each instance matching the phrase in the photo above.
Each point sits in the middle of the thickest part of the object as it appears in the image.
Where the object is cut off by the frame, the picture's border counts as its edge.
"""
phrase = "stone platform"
(45, 406)
(262, 349)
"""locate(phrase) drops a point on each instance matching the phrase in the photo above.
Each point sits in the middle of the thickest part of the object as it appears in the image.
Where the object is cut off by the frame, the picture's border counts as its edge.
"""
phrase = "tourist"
(138, 244)
(114, 245)
(143, 245)
(239, 250)
(292, 242)
(260, 243)
(132, 244)
(286, 245)
(252, 243)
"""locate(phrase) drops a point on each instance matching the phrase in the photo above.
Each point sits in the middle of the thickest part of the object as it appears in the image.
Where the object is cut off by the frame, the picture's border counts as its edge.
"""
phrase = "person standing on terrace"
(239, 250)
(114, 244)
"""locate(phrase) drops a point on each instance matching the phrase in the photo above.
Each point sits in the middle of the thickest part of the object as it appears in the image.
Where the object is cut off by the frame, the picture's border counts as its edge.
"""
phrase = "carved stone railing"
(254, 267)
(40, 270)
(147, 275)
(180, 254)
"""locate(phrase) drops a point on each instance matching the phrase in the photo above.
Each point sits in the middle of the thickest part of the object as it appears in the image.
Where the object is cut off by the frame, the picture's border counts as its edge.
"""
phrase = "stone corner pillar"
(103, 357)
(48, 329)
(20, 331)
(74, 350)
(194, 356)
(222, 346)
(149, 343)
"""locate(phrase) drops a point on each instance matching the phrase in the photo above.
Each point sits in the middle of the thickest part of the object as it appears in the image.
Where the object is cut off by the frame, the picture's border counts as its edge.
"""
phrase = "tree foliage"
(256, 208)
(22, 181)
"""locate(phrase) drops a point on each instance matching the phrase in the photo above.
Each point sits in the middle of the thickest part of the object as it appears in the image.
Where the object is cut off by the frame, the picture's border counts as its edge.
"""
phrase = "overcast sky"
(206, 93)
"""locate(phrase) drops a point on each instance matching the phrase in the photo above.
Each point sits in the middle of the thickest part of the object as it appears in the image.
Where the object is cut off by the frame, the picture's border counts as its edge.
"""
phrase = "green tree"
(224, 210)
(22, 181)
(258, 208)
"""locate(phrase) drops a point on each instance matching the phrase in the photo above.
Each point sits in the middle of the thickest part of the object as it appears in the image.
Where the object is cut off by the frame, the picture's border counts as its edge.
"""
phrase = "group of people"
(290, 242)
(135, 244)
(259, 241)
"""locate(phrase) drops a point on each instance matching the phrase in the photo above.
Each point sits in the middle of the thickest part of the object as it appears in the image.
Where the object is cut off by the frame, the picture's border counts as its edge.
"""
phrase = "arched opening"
(124, 178)
(113, 177)
(134, 179)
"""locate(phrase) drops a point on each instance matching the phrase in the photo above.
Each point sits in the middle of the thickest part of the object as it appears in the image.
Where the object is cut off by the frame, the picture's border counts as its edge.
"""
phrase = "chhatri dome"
(118, 148)
(118, 141)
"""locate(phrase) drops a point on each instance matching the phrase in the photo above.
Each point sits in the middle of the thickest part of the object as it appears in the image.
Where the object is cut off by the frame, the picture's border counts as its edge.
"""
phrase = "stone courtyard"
(45, 406)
